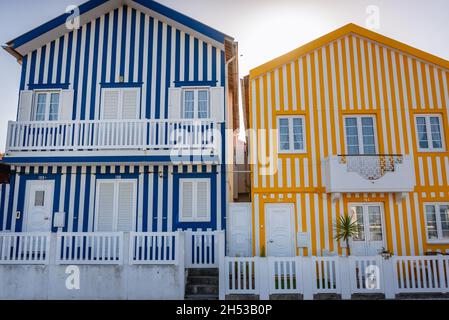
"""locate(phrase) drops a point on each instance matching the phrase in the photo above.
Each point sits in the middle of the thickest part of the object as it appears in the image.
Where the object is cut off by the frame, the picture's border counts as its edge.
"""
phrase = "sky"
(264, 29)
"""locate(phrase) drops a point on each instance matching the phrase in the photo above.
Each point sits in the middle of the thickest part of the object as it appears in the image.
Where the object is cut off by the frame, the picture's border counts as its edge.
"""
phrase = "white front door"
(239, 230)
(280, 228)
(38, 206)
(370, 229)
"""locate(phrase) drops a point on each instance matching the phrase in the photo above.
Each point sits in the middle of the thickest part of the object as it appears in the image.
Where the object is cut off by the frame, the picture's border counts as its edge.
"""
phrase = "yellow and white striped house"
(361, 128)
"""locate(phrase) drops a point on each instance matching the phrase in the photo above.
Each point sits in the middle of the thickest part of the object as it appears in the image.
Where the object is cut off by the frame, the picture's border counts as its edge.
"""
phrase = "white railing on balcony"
(87, 135)
(369, 173)
(154, 248)
(89, 248)
(24, 248)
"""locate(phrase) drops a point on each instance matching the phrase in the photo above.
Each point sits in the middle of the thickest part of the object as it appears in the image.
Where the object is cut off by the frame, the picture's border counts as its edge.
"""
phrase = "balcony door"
(370, 237)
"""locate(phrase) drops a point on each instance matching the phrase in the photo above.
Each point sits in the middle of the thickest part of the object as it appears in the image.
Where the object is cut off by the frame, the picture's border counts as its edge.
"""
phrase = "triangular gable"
(339, 33)
(91, 10)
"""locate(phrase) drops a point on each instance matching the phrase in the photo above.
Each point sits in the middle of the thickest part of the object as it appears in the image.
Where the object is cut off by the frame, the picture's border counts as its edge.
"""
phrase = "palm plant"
(346, 228)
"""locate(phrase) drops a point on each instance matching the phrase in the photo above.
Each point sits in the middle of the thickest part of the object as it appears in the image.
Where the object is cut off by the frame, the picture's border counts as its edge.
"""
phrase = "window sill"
(292, 152)
(445, 241)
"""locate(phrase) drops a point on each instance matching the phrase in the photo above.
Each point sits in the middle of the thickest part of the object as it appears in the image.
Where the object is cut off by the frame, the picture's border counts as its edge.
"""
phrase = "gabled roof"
(92, 9)
(339, 33)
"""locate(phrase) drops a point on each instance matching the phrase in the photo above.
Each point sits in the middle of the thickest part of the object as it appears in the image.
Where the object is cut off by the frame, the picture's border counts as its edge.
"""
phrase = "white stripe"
(99, 68)
(335, 100)
(371, 71)
(109, 48)
(299, 214)
(38, 65)
(209, 62)
(309, 224)
(288, 166)
(393, 225)
(348, 67)
(285, 87)
(446, 91)
(317, 226)
(119, 45)
(55, 61)
(280, 182)
(200, 60)
(5, 208)
(437, 87)
(327, 104)
(418, 223)
(381, 95)
(182, 56)
(301, 84)
(389, 101)
(46, 62)
(319, 107)
(150, 199)
(429, 86)
(325, 224)
(93, 186)
(421, 171)
(137, 62)
(294, 86)
(420, 83)
(219, 195)
(255, 163)
(256, 229)
(298, 182)
(127, 43)
(312, 121)
(14, 202)
(170, 198)
(145, 67)
(356, 70)
(163, 70)
(192, 57)
(430, 171)
(306, 172)
(79, 92)
(271, 141)
(342, 72)
(159, 200)
(364, 75)
(140, 201)
(412, 82)
(219, 66)
(408, 212)
(82, 196)
(72, 199)
(439, 173)
(398, 101)
(154, 64)
(262, 135)
(401, 228)
(276, 89)
(89, 72)
(27, 72)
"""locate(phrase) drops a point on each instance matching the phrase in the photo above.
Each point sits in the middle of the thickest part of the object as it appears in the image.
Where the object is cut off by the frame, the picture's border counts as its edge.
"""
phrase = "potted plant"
(385, 253)
(345, 229)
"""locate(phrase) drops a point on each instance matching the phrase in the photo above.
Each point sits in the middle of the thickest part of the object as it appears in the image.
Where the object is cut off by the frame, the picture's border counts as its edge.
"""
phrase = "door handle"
(271, 241)
(47, 218)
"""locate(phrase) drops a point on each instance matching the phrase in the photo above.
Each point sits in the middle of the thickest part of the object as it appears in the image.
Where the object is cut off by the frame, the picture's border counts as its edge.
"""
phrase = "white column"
(264, 278)
(389, 277)
(345, 281)
(221, 265)
(307, 277)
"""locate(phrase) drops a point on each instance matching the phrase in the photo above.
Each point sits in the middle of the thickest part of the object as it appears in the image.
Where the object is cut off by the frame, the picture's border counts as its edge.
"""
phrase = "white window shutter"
(66, 105)
(25, 105)
(174, 103)
(203, 200)
(125, 207)
(111, 99)
(105, 218)
(217, 103)
(187, 200)
(130, 99)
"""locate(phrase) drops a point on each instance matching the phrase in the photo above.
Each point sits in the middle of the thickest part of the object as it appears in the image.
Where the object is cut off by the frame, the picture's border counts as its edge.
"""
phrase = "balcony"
(369, 173)
(125, 137)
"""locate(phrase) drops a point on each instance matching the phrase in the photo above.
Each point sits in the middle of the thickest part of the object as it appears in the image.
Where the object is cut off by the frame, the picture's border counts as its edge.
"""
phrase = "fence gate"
(239, 230)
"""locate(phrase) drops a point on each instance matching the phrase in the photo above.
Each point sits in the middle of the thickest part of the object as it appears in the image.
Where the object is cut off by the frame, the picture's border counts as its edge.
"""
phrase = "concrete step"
(201, 289)
(211, 280)
(202, 272)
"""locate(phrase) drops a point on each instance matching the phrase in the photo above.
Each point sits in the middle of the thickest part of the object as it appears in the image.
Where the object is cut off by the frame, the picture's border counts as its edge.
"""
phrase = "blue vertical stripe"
(69, 57)
(132, 45)
(23, 72)
(167, 69)
(42, 64)
(85, 72)
(93, 93)
(214, 64)
(32, 67)
(51, 60)
(150, 67)
(87, 200)
(105, 47)
(177, 54)
(114, 45)
(205, 61)
(165, 199)
(195, 59)
(158, 71)
(186, 57)
(2, 205)
(77, 68)
(123, 46)
(155, 195)
(142, 27)
(60, 56)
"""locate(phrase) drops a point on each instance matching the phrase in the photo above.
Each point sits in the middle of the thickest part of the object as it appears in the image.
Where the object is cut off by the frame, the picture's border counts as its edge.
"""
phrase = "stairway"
(202, 284)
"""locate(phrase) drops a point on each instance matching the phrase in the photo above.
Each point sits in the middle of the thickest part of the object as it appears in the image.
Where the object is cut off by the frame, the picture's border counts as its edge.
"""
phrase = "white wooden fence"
(24, 248)
(334, 275)
(111, 134)
(201, 249)
(89, 248)
(154, 248)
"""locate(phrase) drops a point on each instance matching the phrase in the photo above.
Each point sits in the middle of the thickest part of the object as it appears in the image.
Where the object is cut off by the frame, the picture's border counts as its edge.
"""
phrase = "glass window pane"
(189, 100)
(39, 198)
(369, 141)
(444, 217)
(298, 136)
(40, 107)
(357, 216)
(436, 133)
(284, 138)
(375, 223)
(54, 106)
(352, 137)
(422, 132)
(203, 104)
(432, 230)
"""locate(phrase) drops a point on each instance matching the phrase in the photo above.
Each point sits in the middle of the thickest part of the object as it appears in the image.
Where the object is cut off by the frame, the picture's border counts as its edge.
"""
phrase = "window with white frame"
(194, 202)
(46, 105)
(430, 133)
(120, 103)
(360, 135)
(291, 137)
(115, 204)
(196, 104)
(437, 221)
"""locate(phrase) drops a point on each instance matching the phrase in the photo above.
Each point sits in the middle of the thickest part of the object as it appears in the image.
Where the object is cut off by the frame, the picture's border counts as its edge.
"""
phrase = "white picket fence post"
(180, 254)
(264, 278)
(221, 266)
(345, 281)
(389, 278)
(306, 277)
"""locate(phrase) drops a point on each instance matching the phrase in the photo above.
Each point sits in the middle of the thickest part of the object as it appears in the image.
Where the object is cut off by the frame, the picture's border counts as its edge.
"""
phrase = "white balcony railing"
(88, 135)
(369, 173)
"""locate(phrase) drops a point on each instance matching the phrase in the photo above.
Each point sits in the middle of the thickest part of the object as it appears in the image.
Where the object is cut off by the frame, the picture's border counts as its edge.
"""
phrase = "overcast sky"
(264, 29)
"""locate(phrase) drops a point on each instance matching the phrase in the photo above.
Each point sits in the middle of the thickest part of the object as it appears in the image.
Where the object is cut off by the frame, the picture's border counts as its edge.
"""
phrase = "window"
(291, 134)
(194, 203)
(120, 103)
(39, 198)
(196, 104)
(437, 221)
(46, 106)
(115, 205)
(360, 135)
(429, 131)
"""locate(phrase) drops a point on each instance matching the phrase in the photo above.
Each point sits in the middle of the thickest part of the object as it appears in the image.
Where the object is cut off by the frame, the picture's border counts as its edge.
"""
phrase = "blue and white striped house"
(121, 123)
